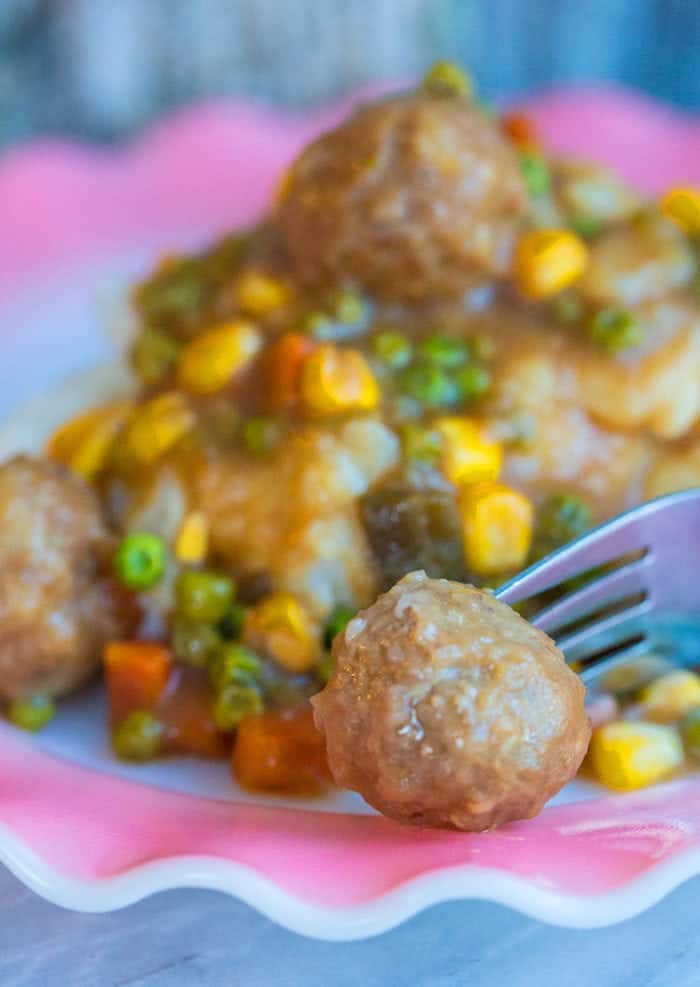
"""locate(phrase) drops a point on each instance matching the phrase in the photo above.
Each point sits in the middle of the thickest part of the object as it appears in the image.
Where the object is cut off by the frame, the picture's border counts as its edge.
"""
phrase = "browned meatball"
(57, 608)
(413, 197)
(448, 709)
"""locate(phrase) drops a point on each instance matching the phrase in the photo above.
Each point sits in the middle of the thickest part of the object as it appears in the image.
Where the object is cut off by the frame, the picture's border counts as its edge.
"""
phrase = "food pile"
(442, 349)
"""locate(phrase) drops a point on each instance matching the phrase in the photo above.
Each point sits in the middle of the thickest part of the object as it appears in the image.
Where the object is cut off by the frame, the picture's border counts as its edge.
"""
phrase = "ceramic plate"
(91, 834)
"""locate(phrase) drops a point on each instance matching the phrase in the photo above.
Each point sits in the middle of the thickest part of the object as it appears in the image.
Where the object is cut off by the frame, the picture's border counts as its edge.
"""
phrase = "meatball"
(57, 608)
(448, 709)
(413, 197)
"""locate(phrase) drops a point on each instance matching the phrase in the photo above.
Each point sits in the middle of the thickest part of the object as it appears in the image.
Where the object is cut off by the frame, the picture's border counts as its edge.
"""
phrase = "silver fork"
(629, 587)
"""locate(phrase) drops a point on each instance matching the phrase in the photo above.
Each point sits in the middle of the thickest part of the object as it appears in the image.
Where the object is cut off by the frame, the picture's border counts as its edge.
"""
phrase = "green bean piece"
(447, 79)
(138, 737)
(193, 642)
(32, 713)
(444, 351)
(338, 620)
(615, 329)
(261, 435)
(233, 703)
(392, 349)
(140, 560)
(233, 663)
(203, 596)
(536, 173)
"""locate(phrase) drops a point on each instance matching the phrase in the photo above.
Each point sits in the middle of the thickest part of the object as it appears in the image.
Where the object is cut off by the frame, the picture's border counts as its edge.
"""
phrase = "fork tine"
(605, 634)
(592, 597)
(600, 547)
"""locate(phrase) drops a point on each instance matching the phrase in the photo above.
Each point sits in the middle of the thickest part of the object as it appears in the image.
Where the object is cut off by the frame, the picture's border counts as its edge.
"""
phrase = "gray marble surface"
(184, 938)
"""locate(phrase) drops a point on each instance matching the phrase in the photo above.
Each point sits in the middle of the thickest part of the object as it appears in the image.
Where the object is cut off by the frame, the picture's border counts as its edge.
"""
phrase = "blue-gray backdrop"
(105, 67)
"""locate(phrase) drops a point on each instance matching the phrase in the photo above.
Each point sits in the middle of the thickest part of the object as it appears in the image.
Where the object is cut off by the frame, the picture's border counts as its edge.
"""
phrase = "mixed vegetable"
(297, 447)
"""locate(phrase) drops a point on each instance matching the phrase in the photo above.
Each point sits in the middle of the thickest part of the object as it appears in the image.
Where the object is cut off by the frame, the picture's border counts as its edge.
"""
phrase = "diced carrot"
(137, 673)
(185, 710)
(282, 367)
(281, 752)
(521, 129)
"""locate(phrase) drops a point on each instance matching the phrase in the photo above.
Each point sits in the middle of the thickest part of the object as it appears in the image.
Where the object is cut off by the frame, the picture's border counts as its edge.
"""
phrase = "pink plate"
(90, 834)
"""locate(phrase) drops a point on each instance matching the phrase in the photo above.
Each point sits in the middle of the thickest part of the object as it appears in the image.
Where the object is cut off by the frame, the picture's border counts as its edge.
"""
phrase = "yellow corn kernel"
(673, 695)
(337, 380)
(192, 539)
(156, 426)
(496, 528)
(258, 293)
(547, 261)
(682, 206)
(468, 454)
(83, 443)
(279, 626)
(626, 755)
(211, 360)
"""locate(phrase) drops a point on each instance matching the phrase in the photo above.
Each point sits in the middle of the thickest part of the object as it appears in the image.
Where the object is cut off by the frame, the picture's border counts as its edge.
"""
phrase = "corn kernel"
(156, 426)
(547, 261)
(209, 362)
(192, 539)
(279, 626)
(468, 454)
(259, 294)
(626, 755)
(673, 695)
(682, 206)
(338, 380)
(83, 443)
(496, 528)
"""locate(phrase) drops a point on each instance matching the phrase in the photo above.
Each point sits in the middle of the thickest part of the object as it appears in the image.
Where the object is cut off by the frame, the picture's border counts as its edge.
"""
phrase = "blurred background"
(104, 68)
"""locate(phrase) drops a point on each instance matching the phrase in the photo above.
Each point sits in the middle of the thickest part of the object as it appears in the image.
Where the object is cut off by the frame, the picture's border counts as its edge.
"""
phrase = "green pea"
(233, 663)
(420, 443)
(138, 737)
(203, 596)
(320, 326)
(430, 385)
(444, 351)
(587, 227)
(231, 624)
(32, 713)
(153, 355)
(472, 382)
(392, 349)
(261, 435)
(350, 307)
(567, 307)
(535, 172)
(339, 619)
(235, 702)
(140, 560)
(325, 668)
(193, 642)
(561, 518)
(447, 79)
(690, 731)
(615, 329)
